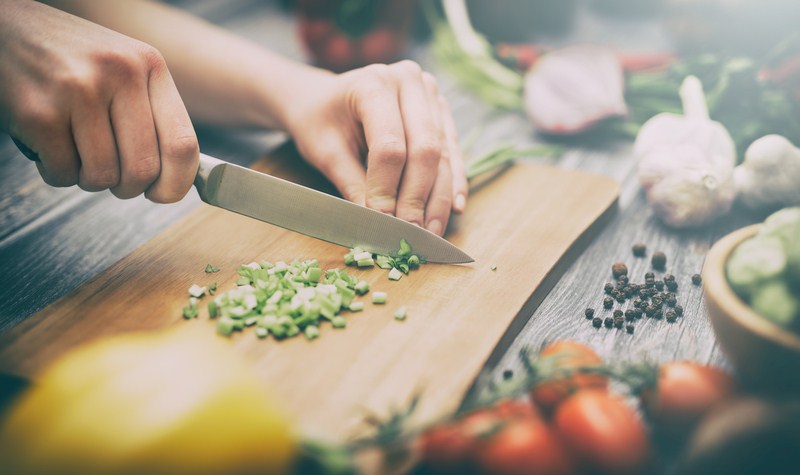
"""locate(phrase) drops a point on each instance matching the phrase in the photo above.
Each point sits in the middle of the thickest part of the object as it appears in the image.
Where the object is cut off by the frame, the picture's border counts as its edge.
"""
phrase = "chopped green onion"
(385, 262)
(190, 312)
(211, 269)
(405, 248)
(212, 309)
(338, 322)
(368, 262)
(362, 287)
(225, 326)
(356, 306)
(249, 322)
(413, 261)
(395, 274)
(379, 298)
(262, 332)
(494, 267)
(400, 313)
(311, 332)
(197, 291)
(212, 288)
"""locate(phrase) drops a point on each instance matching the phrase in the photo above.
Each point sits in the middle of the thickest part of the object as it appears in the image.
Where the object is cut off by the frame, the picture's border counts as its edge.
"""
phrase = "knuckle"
(59, 180)
(100, 178)
(183, 147)
(428, 151)
(431, 83)
(381, 202)
(152, 58)
(164, 196)
(390, 151)
(408, 66)
(145, 169)
(441, 202)
(412, 205)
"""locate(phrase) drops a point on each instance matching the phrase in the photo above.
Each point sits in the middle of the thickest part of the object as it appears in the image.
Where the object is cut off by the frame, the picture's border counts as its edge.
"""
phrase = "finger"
(137, 142)
(342, 166)
(97, 149)
(460, 185)
(424, 141)
(440, 203)
(177, 142)
(378, 110)
(52, 142)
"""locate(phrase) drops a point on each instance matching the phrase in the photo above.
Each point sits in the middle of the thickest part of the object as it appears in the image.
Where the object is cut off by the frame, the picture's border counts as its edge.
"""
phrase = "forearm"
(223, 79)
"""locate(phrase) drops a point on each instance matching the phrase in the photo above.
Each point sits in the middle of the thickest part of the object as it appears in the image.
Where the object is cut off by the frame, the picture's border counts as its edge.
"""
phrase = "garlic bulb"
(686, 162)
(770, 173)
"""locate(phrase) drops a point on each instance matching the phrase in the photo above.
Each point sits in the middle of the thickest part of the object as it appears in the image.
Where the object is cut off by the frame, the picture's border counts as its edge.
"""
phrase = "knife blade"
(316, 214)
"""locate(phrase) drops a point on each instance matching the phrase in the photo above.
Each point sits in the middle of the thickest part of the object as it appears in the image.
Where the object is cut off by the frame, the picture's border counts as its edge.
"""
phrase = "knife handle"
(205, 176)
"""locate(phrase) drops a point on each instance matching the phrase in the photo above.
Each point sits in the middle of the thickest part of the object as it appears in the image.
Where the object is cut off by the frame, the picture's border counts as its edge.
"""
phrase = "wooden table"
(53, 240)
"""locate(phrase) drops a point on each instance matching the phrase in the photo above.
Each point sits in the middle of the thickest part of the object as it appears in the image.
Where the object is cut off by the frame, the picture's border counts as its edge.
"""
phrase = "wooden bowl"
(764, 354)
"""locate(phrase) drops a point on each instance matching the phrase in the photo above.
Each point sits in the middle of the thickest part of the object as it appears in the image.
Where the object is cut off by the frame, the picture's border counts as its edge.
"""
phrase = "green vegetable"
(356, 306)
(190, 312)
(212, 289)
(197, 291)
(338, 322)
(405, 248)
(225, 326)
(395, 274)
(262, 332)
(211, 269)
(362, 287)
(494, 267)
(400, 313)
(764, 269)
(311, 332)
(379, 298)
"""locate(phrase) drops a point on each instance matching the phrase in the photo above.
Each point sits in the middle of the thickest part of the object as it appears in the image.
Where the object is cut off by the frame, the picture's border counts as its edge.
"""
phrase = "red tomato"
(683, 394)
(315, 32)
(565, 356)
(513, 408)
(604, 432)
(338, 53)
(447, 449)
(382, 45)
(525, 446)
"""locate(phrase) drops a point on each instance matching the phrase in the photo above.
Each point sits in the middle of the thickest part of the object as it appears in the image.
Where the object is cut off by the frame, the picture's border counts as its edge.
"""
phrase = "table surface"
(54, 239)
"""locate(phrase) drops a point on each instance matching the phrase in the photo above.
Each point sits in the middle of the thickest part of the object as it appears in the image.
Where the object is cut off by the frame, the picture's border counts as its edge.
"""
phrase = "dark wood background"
(53, 240)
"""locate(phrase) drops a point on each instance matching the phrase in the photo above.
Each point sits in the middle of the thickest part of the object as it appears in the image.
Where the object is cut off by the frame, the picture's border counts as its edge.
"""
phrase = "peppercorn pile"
(656, 299)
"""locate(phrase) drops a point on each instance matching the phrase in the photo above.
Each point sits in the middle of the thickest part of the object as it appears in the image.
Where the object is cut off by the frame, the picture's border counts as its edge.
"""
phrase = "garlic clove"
(770, 173)
(692, 197)
(570, 89)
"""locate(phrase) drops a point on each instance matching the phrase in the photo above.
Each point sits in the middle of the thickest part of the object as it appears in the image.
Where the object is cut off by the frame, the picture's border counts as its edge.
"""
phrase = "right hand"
(99, 109)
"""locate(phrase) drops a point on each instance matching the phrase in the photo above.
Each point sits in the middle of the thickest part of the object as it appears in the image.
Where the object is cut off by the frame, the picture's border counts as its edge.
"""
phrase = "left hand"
(394, 117)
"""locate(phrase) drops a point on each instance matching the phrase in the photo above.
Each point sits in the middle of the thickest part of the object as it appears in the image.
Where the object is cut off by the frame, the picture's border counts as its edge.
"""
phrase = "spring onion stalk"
(311, 332)
(356, 306)
(400, 313)
(338, 322)
(362, 287)
(395, 274)
(504, 155)
(379, 298)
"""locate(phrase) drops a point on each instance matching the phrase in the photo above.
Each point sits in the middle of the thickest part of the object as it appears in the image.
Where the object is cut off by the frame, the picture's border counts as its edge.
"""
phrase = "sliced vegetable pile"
(285, 300)
(765, 269)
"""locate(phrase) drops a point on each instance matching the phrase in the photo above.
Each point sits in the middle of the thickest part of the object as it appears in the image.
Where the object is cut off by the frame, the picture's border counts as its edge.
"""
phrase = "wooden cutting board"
(525, 221)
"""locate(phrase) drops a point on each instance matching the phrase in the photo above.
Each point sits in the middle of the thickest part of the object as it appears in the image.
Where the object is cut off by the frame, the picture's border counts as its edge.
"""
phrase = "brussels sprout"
(775, 302)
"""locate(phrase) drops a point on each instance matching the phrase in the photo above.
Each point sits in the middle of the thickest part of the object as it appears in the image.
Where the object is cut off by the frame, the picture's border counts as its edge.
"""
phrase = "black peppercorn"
(671, 300)
(639, 249)
(608, 302)
(659, 260)
(597, 322)
(619, 269)
(630, 315)
(644, 294)
(671, 317)
(618, 323)
(637, 303)
(650, 310)
(659, 285)
(609, 287)
(620, 298)
(623, 279)
(639, 312)
(679, 310)
(589, 313)
(696, 279)
(649, 275)
(672, 286)
(608, 322)
(669, 277)
(617, 313)
(629, 328)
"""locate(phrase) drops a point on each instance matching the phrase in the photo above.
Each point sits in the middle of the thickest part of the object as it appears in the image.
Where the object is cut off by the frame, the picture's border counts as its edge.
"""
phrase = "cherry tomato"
(603, 431)
(523, 446)
(447, 449)
(565, 356)
(314, 33)
(683, 394)
(338, 53)
(381, 46)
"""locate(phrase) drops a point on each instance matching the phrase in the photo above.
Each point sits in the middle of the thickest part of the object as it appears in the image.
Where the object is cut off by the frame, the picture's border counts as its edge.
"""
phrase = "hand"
(395, 117)
(98, 108)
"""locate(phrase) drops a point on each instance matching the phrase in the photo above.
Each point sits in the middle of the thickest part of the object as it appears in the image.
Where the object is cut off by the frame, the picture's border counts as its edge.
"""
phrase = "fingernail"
(435, 226)
(460, 202)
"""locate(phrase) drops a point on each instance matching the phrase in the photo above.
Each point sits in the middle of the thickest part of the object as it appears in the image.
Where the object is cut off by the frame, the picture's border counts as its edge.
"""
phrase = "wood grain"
(523, 221)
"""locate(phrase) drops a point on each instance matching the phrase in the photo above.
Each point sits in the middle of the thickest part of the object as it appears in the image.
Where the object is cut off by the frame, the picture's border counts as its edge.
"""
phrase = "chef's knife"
(314, 213)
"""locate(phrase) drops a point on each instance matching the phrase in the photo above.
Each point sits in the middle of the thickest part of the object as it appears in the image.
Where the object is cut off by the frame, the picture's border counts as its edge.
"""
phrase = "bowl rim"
(716, 284)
